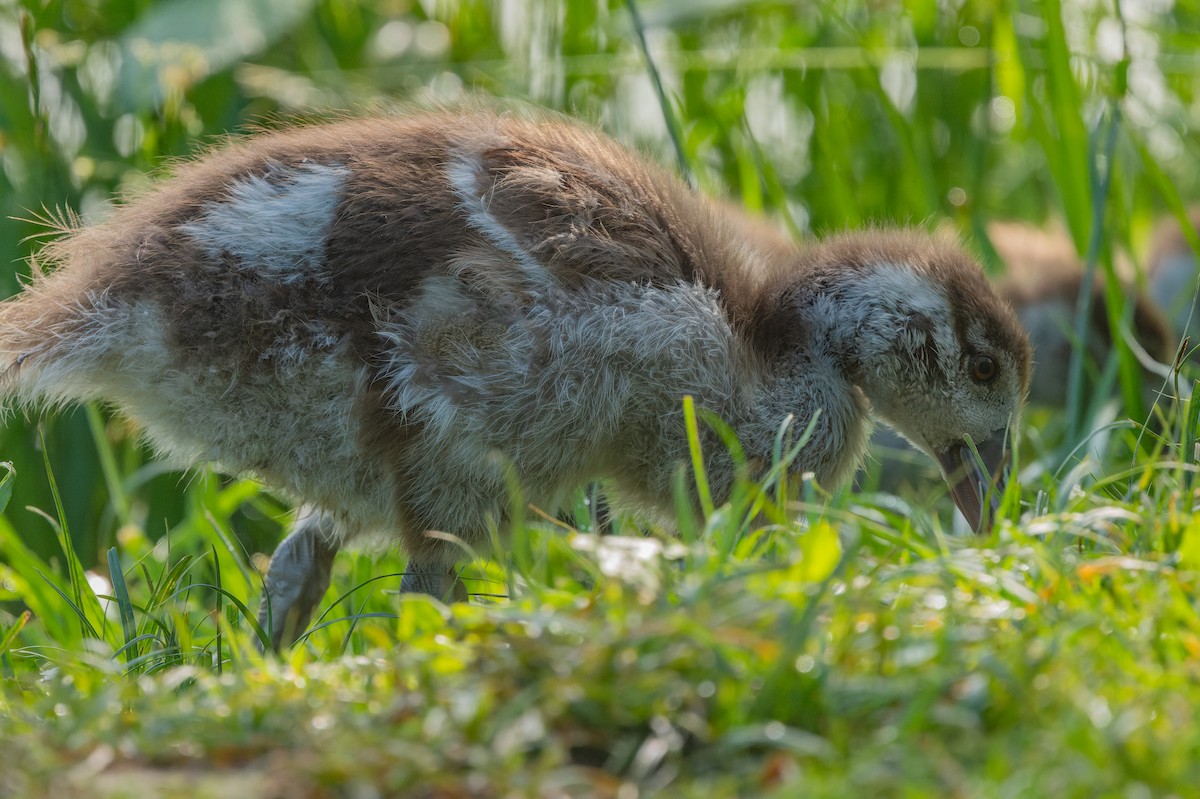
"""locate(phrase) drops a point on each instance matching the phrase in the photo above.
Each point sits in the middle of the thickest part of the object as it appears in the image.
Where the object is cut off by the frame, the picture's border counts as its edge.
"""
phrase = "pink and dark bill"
(977, 483)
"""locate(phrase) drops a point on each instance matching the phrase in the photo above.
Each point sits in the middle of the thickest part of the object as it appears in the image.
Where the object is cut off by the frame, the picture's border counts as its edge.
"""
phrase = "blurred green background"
(822, 115)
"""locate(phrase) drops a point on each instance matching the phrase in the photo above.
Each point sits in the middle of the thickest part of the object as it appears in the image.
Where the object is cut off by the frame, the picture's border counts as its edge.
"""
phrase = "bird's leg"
(603, 522)
(438, 580)
(298, 577)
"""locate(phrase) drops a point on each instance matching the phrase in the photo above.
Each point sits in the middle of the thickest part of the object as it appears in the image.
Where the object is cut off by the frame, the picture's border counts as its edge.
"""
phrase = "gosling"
(1043, 279)
(389, 317)
(1172, 276)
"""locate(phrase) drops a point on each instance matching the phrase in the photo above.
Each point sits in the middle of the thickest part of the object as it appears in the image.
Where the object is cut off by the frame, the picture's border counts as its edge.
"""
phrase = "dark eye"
(983, 369)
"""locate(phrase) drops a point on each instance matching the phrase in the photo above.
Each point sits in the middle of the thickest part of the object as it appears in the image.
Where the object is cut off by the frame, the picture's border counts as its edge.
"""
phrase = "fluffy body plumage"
(383, 315)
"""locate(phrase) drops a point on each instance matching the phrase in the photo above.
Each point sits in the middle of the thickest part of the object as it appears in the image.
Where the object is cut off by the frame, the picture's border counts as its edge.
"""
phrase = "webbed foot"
(298, 577)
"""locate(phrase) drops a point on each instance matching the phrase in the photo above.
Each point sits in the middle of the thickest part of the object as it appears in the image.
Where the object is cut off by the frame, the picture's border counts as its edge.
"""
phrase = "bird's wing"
(567, 213)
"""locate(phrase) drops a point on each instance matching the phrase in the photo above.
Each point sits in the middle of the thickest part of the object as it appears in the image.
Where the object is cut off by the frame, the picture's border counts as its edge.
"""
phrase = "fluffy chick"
(388, 317)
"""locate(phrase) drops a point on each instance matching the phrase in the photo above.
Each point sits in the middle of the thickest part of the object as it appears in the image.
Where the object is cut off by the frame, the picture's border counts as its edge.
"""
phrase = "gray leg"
(298, 577)
(438, 581)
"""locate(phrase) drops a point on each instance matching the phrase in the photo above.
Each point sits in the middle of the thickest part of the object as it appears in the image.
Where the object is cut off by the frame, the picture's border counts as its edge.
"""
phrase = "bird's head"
(918, 328)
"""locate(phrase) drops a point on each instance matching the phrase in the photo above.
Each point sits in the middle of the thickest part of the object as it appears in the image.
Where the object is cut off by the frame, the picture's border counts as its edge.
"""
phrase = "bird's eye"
(983, 369)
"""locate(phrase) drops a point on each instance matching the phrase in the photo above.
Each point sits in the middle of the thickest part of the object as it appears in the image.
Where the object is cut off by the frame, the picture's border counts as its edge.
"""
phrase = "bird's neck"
(845, 329)
(871, 326)
(841, 359)
(814, 405)
(814, 382)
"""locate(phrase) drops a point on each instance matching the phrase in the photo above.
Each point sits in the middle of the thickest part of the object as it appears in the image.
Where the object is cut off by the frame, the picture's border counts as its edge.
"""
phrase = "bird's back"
(244, 247)
(310, 303)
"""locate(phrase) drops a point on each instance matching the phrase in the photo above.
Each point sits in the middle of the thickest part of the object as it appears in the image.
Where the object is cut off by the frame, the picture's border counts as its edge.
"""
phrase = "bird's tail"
(48, 342)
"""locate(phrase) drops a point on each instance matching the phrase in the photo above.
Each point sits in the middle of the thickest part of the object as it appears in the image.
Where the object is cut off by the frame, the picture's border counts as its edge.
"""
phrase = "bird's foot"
(438, 581)
(297, 577)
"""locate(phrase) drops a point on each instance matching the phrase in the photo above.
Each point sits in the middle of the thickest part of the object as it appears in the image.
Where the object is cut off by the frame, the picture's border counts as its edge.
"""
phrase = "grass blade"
(669, 115)
(1099, 194)
(80, 589)
(128, 623)
(11, 633)
(85, 626)
(6, 484)
(693, 436)
(108, 464)
(219, 609)
(1187, 439)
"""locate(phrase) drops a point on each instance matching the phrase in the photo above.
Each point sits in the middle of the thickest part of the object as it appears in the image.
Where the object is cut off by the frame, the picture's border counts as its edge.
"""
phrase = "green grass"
(842, 645)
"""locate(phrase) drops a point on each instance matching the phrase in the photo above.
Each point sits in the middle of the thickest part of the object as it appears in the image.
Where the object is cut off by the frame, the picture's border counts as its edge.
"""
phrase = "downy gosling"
(386, 317)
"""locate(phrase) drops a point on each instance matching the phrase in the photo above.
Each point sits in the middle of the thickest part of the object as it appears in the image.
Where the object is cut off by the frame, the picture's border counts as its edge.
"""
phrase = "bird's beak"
(977, 483)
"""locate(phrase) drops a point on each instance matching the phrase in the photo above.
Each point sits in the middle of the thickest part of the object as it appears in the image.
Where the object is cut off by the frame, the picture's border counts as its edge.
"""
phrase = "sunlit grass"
(863, 649)
(792, 641)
